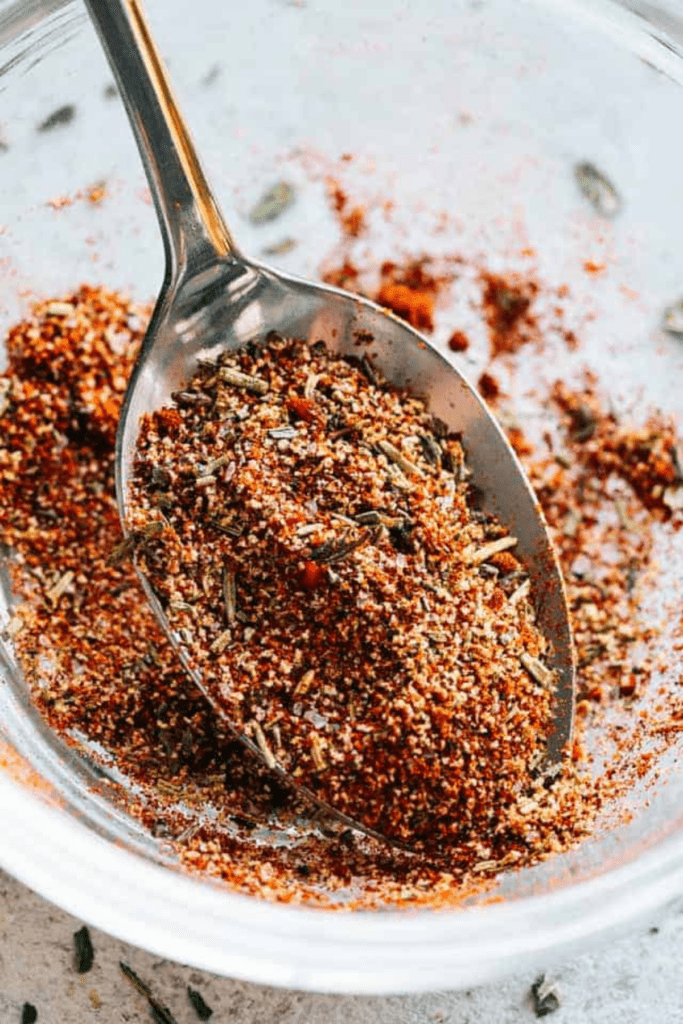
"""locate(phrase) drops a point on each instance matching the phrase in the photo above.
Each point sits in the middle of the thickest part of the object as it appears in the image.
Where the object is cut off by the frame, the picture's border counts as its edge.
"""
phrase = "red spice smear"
(489, 388)
(351, 220)
(458, 342)
(603, 564)
(346, 276)
(313, 576)
(519, 442)
(411, 291)
(506, 304)
(647, 458)
(303, 408)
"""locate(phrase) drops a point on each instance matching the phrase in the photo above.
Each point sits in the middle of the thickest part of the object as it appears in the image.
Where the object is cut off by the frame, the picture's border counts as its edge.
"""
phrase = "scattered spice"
(458, 342)
(84, 952)
(488, 386)
(506, 303)
(59, 202)
(598, 189)
(345, 275)
(62, 115)
(606, 555)
(352, 221)
(411, 291)
(96, 193)
(594, 267)
(646, 458)
(199, 1005)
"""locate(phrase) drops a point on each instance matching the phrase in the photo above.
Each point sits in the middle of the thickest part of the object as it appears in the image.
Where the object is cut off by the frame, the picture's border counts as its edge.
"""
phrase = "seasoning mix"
(327, 493)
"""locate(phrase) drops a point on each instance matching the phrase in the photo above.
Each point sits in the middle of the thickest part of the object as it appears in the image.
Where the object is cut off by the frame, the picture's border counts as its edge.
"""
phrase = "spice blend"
(308, 534)
(105, 679)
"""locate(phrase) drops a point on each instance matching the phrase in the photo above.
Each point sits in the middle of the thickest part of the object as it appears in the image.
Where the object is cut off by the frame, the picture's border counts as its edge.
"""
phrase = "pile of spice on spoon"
(309, 533)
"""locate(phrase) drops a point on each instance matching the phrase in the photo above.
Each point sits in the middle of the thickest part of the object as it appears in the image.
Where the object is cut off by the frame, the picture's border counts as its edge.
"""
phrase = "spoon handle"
(193, 230)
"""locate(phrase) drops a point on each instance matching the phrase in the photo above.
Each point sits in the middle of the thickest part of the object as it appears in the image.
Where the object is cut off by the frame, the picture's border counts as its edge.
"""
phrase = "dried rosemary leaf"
(160, 1014)
(215, 464)
(280, 248)
(337, 550)
(62, 115)
(317, 752)
(282, 433)
(537, 670)
(399, 459)
(520, 593)
(221, 641)
(598, 189)
(229, 588)
(475, 556)
(305, 683)
(262, 743)
(135, 981)
(243, 380)
(60, 587)
(125, 548)
(84, 952)
(200, 1006)
(545, 997)
(273, 203)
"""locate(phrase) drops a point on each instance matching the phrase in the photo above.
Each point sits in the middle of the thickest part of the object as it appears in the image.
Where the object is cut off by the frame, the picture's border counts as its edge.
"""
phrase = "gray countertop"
(636, 980)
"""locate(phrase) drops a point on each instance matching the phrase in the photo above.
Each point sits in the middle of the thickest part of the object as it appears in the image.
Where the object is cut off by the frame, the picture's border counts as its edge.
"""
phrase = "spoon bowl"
(214, 299)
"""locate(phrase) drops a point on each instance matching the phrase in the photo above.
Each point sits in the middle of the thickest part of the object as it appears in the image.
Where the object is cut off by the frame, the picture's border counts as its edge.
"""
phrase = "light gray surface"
(636, 980)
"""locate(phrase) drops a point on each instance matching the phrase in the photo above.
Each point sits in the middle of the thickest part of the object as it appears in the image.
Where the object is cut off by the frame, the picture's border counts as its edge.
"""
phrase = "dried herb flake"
(545, 997)
(85, 954)
(201, 1007)
(62, 115)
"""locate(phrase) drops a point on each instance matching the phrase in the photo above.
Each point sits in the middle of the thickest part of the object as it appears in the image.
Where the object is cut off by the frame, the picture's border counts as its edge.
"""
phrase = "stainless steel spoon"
(213, 298)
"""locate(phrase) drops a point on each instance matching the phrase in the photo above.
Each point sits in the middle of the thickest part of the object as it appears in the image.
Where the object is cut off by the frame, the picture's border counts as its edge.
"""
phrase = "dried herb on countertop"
(84, 952)
(200, 1006)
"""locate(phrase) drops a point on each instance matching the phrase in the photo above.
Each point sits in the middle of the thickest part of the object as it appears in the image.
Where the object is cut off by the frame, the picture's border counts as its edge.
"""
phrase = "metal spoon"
(213, 298)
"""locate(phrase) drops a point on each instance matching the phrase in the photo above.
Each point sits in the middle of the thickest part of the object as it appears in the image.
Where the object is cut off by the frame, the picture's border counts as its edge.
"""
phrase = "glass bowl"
(457, 127)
